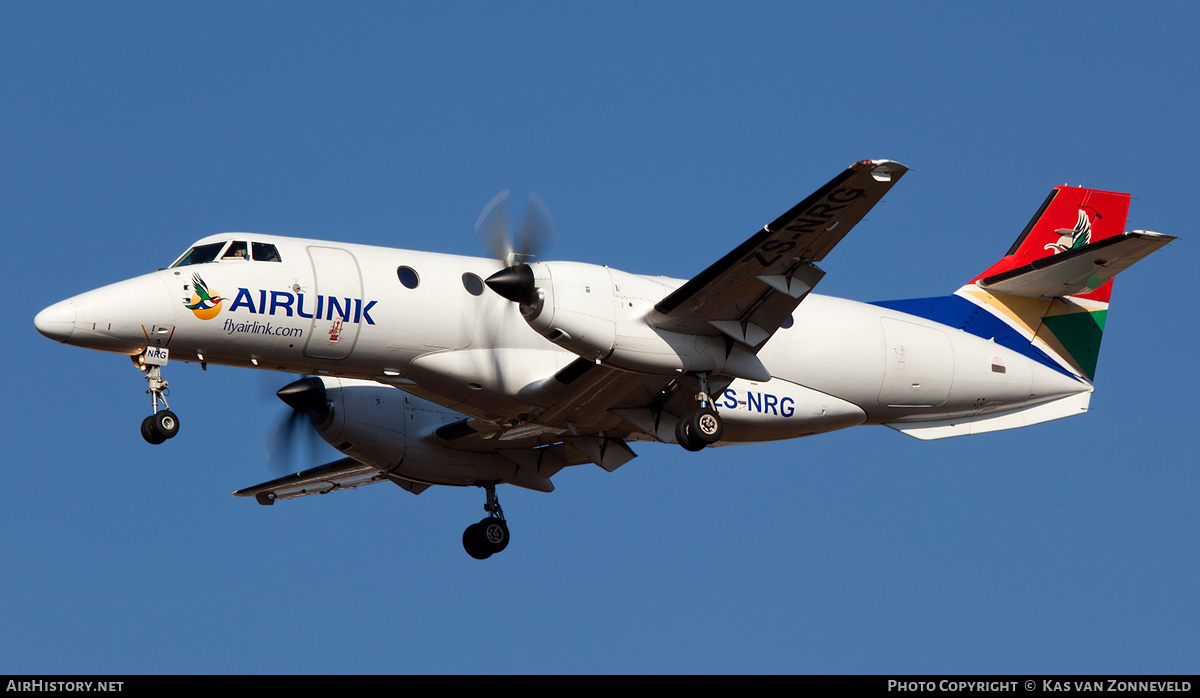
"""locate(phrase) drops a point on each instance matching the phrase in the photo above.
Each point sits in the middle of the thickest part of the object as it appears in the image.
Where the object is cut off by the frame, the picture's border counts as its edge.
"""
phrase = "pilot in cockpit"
(237, 250)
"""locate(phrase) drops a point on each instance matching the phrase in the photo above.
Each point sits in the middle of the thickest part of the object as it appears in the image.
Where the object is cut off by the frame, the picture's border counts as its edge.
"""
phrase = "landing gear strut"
(489, 536)
(703, 426)
(159, 426)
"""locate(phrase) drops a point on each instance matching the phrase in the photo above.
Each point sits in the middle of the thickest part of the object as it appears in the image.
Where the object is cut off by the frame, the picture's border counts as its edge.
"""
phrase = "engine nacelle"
(389, 429)
(602, 314)
(364, 420)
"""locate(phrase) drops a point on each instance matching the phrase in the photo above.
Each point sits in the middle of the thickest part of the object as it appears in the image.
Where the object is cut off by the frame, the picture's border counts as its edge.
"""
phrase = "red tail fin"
(1070, 217)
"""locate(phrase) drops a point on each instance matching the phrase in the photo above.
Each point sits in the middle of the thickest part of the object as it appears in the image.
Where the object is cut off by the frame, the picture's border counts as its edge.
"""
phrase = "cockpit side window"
(237, 250)
(264, 252)
(200, 254)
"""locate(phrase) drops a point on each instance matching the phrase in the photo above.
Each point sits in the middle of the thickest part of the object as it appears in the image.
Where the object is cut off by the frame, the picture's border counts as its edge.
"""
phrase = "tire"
(685, 435)
(149, 433)
(707, 425)
(473, 543)
(165, 423)
(494, 534)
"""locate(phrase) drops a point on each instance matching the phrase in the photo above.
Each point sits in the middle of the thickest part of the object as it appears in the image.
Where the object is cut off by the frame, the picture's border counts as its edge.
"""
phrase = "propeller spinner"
(515, 282)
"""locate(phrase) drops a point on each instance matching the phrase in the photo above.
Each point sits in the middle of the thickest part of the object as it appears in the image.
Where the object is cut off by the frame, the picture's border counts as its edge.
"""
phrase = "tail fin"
(1070, 218)
(1048, 297)
(1054, 285)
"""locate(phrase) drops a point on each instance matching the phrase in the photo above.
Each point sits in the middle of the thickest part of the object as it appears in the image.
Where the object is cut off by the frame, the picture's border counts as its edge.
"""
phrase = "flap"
(343, 474)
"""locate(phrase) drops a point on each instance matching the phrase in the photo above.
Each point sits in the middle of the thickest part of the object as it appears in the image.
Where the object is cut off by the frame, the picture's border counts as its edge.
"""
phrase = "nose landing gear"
(489, 536)
(159, 426)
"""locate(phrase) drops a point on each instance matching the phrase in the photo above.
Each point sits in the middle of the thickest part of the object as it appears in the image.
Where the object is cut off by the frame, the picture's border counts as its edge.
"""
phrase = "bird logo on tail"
(1070, 238)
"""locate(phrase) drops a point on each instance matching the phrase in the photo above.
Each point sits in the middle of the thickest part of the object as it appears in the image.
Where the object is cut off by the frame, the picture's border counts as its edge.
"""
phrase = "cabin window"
(473, 284)
(264, 252)
(236, 250)
(200, 254)
(408, 277)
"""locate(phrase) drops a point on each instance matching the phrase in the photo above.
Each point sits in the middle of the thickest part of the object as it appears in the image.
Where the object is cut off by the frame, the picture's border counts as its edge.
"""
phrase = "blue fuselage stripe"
(960, 313)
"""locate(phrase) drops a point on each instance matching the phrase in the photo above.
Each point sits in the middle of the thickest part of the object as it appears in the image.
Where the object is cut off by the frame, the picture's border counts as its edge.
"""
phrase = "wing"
(750, 292)
(747, 295)
(592, 411)
(343, 474)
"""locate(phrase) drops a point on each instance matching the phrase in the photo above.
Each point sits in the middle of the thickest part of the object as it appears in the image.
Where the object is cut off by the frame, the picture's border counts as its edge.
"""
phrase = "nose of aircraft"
(114, 318)
(57, 322)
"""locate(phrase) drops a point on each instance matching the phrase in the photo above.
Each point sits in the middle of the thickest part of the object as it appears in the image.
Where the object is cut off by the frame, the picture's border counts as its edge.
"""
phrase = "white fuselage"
(343, 310)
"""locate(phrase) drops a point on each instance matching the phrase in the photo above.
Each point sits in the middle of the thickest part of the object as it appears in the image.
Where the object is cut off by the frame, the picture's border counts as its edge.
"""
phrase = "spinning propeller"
(536, 231)
(306, 397)
(515, 281)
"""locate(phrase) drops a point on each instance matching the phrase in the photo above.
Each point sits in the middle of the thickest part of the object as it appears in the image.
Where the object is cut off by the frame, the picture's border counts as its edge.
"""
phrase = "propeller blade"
(492, 228)
(537, 228)
(306, 397)
(535, 233)
(278, 449)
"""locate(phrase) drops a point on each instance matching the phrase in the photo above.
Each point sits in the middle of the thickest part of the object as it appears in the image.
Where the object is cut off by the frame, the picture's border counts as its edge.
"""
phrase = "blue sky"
(660, 135)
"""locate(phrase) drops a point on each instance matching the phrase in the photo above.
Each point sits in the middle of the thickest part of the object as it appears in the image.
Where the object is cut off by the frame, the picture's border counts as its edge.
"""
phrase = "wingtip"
(883, 170)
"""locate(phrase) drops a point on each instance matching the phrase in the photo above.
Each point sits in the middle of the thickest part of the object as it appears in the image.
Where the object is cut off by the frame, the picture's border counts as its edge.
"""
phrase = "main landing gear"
(163, 425)
(703, 426)
(489, 536)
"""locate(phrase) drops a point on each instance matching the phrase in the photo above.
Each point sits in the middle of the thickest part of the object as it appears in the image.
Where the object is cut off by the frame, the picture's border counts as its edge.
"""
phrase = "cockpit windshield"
(200, 254)
(203, 254)
(264, 252)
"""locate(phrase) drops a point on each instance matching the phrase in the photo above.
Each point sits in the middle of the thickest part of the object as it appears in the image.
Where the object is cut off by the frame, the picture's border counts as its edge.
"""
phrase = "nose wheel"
(489, 536)
(162, 424)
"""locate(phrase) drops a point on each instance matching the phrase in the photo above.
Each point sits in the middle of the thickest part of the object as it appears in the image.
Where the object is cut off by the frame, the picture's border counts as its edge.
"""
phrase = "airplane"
(435, 369)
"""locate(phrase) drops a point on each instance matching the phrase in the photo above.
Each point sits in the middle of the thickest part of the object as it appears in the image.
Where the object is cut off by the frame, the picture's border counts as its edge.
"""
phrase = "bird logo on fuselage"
(204, 304)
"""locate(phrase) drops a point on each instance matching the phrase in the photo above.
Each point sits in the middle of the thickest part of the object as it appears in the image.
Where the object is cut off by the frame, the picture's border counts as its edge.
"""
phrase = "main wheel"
(474, 543)
(707, 425)
(685, 435)
(494, 534)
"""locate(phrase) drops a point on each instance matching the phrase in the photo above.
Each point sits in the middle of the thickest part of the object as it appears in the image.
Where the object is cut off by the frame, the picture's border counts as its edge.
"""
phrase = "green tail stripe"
(1079, 334)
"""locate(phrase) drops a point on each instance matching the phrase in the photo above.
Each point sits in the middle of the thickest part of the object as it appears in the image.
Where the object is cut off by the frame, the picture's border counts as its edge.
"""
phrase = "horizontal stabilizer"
(1009, 419)
(1077, 271)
